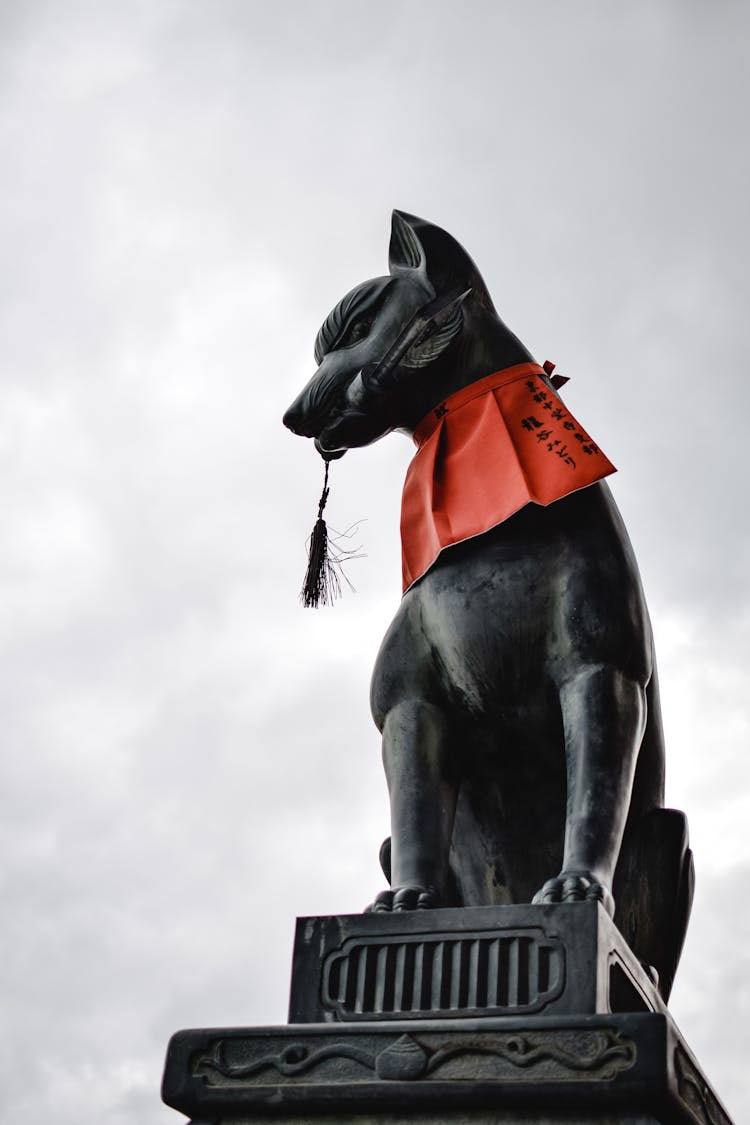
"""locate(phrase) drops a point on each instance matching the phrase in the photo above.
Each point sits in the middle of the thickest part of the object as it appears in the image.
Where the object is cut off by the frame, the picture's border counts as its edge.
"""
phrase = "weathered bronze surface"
(516, 688)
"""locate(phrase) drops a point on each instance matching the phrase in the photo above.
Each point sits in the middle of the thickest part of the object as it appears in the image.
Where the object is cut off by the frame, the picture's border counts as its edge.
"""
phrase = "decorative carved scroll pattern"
(696, 1093)
(544, 1055)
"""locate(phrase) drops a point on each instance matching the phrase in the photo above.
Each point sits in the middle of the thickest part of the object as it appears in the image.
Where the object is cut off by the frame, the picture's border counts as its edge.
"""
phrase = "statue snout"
(294, 420)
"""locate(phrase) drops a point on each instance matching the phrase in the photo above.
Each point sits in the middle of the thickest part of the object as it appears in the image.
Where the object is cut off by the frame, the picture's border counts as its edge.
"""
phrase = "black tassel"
(322, 583)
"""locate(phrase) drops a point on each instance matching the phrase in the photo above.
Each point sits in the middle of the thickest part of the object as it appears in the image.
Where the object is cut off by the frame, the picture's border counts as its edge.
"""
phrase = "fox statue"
(516, 688)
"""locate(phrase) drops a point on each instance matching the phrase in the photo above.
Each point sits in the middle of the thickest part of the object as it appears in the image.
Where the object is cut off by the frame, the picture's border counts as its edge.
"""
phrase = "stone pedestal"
(490, 1016)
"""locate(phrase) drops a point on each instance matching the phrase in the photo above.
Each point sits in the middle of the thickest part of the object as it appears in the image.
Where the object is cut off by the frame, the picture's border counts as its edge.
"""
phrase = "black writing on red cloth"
(547, 430)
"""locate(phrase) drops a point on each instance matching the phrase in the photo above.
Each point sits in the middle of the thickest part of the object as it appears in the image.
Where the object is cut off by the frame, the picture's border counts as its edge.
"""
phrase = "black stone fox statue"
(516, 688)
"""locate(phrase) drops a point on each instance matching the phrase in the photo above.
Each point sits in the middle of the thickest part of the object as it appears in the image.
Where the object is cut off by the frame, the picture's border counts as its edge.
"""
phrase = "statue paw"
(576, 886)
(383, 904)
(402, 899)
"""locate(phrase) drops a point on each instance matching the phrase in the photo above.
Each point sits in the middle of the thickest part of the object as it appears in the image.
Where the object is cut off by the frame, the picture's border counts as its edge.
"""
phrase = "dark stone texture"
(560, 959)
(525, 1014)
(516, 693)
(439, 1116)
(551, 1021)
(600, 1068)
(516, 688)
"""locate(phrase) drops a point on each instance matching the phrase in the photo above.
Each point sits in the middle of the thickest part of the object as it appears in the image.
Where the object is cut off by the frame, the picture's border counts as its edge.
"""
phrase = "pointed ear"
(405, 253)
(438, 334)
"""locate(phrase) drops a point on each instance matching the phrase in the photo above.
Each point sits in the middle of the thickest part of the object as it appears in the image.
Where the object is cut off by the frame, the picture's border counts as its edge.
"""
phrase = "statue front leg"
(422, 789)
(604, 716)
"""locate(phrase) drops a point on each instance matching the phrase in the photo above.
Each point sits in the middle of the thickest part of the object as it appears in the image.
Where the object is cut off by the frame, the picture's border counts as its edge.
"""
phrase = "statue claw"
(575, 886)
(403, 899)
(383, 904)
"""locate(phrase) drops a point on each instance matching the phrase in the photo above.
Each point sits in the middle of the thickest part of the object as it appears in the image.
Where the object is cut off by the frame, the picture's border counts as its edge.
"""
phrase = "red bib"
(484, 453)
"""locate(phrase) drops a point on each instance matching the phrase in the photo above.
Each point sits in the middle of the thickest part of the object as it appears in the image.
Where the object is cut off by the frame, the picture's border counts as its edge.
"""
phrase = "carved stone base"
(439, 1117)
(515, 1015)
(565, 958)
(603, 1068)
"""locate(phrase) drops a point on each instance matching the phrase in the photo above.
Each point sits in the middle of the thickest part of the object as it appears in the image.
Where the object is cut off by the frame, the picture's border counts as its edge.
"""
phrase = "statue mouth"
(328, 454)
(344, 430)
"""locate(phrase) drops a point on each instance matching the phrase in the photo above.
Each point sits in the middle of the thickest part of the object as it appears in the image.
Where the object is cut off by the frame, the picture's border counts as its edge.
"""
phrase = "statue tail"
(654, 880)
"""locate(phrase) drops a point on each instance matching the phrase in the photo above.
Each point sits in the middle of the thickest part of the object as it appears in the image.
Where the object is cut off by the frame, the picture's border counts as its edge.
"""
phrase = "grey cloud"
(188, 756)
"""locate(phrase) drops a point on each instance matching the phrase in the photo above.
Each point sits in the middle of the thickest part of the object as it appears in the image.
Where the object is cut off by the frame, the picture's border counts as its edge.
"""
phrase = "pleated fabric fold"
(483, 454)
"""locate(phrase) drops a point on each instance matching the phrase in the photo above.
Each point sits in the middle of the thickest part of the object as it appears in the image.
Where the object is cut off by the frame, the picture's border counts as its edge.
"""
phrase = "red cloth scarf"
(484, 453)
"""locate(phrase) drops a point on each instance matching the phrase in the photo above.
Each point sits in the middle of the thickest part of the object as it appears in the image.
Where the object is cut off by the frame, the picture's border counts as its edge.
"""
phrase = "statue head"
(391, 346)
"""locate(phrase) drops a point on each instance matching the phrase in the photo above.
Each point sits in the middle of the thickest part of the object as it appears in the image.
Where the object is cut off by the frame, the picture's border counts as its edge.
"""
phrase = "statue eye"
(358, 330)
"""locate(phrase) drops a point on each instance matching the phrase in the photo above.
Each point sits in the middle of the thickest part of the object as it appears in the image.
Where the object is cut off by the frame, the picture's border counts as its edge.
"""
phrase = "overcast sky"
(188, 187)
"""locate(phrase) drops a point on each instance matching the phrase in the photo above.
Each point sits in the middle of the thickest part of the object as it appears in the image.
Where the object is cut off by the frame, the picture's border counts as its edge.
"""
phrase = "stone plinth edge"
(609, 1068)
